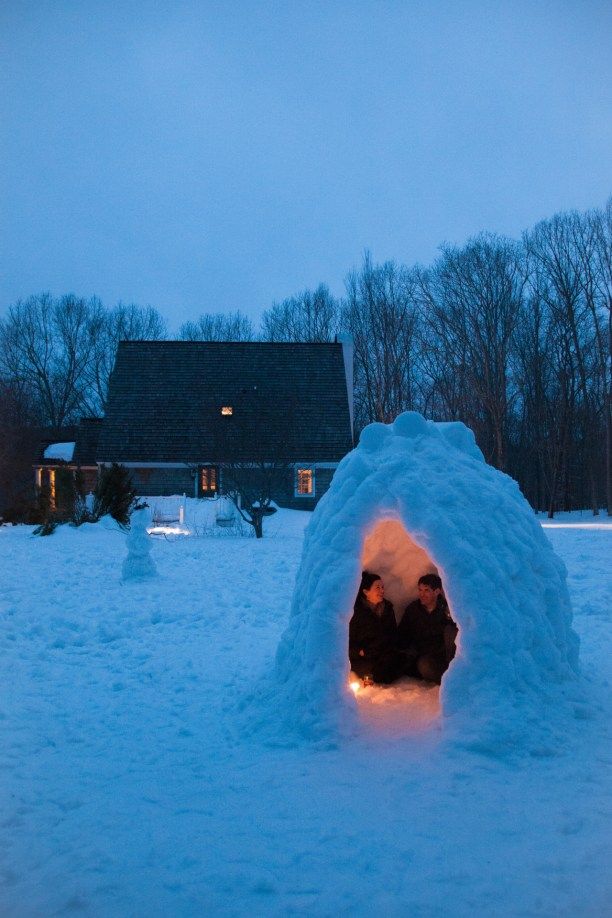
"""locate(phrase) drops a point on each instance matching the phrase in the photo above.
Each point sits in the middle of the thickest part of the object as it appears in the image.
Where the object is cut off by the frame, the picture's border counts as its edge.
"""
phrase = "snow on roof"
(414, 497)
(63, 451)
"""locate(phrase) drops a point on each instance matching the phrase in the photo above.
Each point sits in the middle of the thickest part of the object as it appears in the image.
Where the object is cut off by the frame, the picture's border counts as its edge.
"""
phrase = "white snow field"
(134, 780)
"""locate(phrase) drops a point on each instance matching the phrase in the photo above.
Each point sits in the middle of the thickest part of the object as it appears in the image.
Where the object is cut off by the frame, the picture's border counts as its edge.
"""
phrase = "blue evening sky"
(212, 156)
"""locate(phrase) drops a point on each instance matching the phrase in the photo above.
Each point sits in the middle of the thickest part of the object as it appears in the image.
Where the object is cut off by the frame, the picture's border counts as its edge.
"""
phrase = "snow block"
(410, 424)
(417, 497)
(373, 437)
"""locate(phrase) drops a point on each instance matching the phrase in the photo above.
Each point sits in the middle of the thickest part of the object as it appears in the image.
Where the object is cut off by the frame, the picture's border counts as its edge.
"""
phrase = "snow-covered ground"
(129, 786)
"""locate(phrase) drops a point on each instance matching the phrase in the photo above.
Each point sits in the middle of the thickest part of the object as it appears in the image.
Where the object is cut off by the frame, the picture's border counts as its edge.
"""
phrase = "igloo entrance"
(390, 551)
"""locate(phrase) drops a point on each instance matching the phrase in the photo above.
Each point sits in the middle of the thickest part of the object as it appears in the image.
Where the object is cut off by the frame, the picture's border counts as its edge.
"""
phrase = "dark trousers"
(431, 666)
(384, 670)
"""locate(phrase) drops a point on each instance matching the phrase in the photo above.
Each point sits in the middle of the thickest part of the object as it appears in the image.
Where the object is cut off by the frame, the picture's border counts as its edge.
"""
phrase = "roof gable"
(289, 402)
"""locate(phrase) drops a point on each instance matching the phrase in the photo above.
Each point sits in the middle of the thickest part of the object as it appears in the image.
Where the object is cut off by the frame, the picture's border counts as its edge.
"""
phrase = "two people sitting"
(422, 645)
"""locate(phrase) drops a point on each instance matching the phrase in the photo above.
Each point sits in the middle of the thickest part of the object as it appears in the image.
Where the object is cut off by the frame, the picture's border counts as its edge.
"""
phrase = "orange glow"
(227, 409)
(304, 481)
(208, 480)
(354, 686)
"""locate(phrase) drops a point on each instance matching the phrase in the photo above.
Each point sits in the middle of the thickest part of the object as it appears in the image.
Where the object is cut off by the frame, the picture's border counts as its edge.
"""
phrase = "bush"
(80, 512)
(114, 495)
(23, 509)
(47, 528)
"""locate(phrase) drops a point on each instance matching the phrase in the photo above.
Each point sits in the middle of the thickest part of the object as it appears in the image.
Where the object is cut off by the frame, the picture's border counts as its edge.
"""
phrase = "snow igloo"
(416, 497)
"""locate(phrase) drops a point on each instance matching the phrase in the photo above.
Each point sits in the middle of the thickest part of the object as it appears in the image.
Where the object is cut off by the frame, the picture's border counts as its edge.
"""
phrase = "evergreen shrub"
(114, 494)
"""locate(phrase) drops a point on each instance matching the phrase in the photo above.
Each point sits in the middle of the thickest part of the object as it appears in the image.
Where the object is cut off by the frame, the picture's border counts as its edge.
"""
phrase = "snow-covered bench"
(168, 510)
(225, 515)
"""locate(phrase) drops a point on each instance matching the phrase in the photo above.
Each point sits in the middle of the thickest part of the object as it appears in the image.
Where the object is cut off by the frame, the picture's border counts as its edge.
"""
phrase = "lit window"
(52, 489)
(227, 410)
(305, 482)
(208, 480)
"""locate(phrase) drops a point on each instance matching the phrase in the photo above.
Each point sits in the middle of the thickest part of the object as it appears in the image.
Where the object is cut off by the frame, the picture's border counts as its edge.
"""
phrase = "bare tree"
(18, 415)
(380, 311)
(47, 345)
(309, 316)
(218, 326)
(546, 401)
(252, 487)
(561, 248)
(125, 322)
(601, 305)
(471, 302)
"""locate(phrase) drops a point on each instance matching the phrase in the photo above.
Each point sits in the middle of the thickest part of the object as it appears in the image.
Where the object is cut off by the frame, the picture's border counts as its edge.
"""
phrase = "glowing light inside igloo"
(391, 552)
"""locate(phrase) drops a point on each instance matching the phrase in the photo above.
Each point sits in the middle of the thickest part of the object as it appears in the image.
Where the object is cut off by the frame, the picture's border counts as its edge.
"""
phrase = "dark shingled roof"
(289, 403)
(87, 441)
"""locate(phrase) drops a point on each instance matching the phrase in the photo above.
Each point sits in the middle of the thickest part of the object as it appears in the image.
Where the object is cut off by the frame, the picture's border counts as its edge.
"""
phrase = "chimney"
(348, 350)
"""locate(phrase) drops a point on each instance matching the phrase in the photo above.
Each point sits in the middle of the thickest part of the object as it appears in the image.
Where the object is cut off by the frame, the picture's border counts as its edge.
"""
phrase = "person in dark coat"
(373, 649)
(426, 633)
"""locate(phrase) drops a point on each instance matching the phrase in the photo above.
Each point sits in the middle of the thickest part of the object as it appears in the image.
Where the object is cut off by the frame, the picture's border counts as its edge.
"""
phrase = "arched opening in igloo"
(390, 551)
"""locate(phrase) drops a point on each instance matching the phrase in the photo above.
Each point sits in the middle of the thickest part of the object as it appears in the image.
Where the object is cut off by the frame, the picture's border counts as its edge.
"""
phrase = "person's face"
(376, 593)
(428, 596)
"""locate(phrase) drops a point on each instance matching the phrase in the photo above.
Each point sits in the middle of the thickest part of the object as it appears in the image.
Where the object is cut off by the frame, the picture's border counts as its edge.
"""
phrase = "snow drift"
(413, 497)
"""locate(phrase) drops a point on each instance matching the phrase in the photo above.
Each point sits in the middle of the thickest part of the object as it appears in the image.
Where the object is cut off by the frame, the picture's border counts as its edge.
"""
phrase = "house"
(183, 416)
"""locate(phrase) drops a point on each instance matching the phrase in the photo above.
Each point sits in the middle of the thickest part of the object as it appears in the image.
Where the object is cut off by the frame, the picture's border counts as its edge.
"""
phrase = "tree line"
(512, 337)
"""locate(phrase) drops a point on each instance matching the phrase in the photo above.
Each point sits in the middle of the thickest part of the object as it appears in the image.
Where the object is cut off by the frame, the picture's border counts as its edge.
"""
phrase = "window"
(208, 480)
(304, 485)
(227, 410)
(52, 490)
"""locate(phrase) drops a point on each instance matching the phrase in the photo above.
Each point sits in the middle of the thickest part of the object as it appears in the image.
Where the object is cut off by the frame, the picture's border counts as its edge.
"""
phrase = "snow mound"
(63, 451)
(414, 497)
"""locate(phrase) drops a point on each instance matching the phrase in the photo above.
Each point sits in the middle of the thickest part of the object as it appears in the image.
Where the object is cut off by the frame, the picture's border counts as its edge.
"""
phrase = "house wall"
(65, 477)
(153, 482)
(157, 482)
(287, 497)
(284, 489)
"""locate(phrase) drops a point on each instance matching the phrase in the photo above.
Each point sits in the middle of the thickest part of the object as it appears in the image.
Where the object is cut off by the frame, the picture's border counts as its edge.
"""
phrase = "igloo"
(414, 497)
